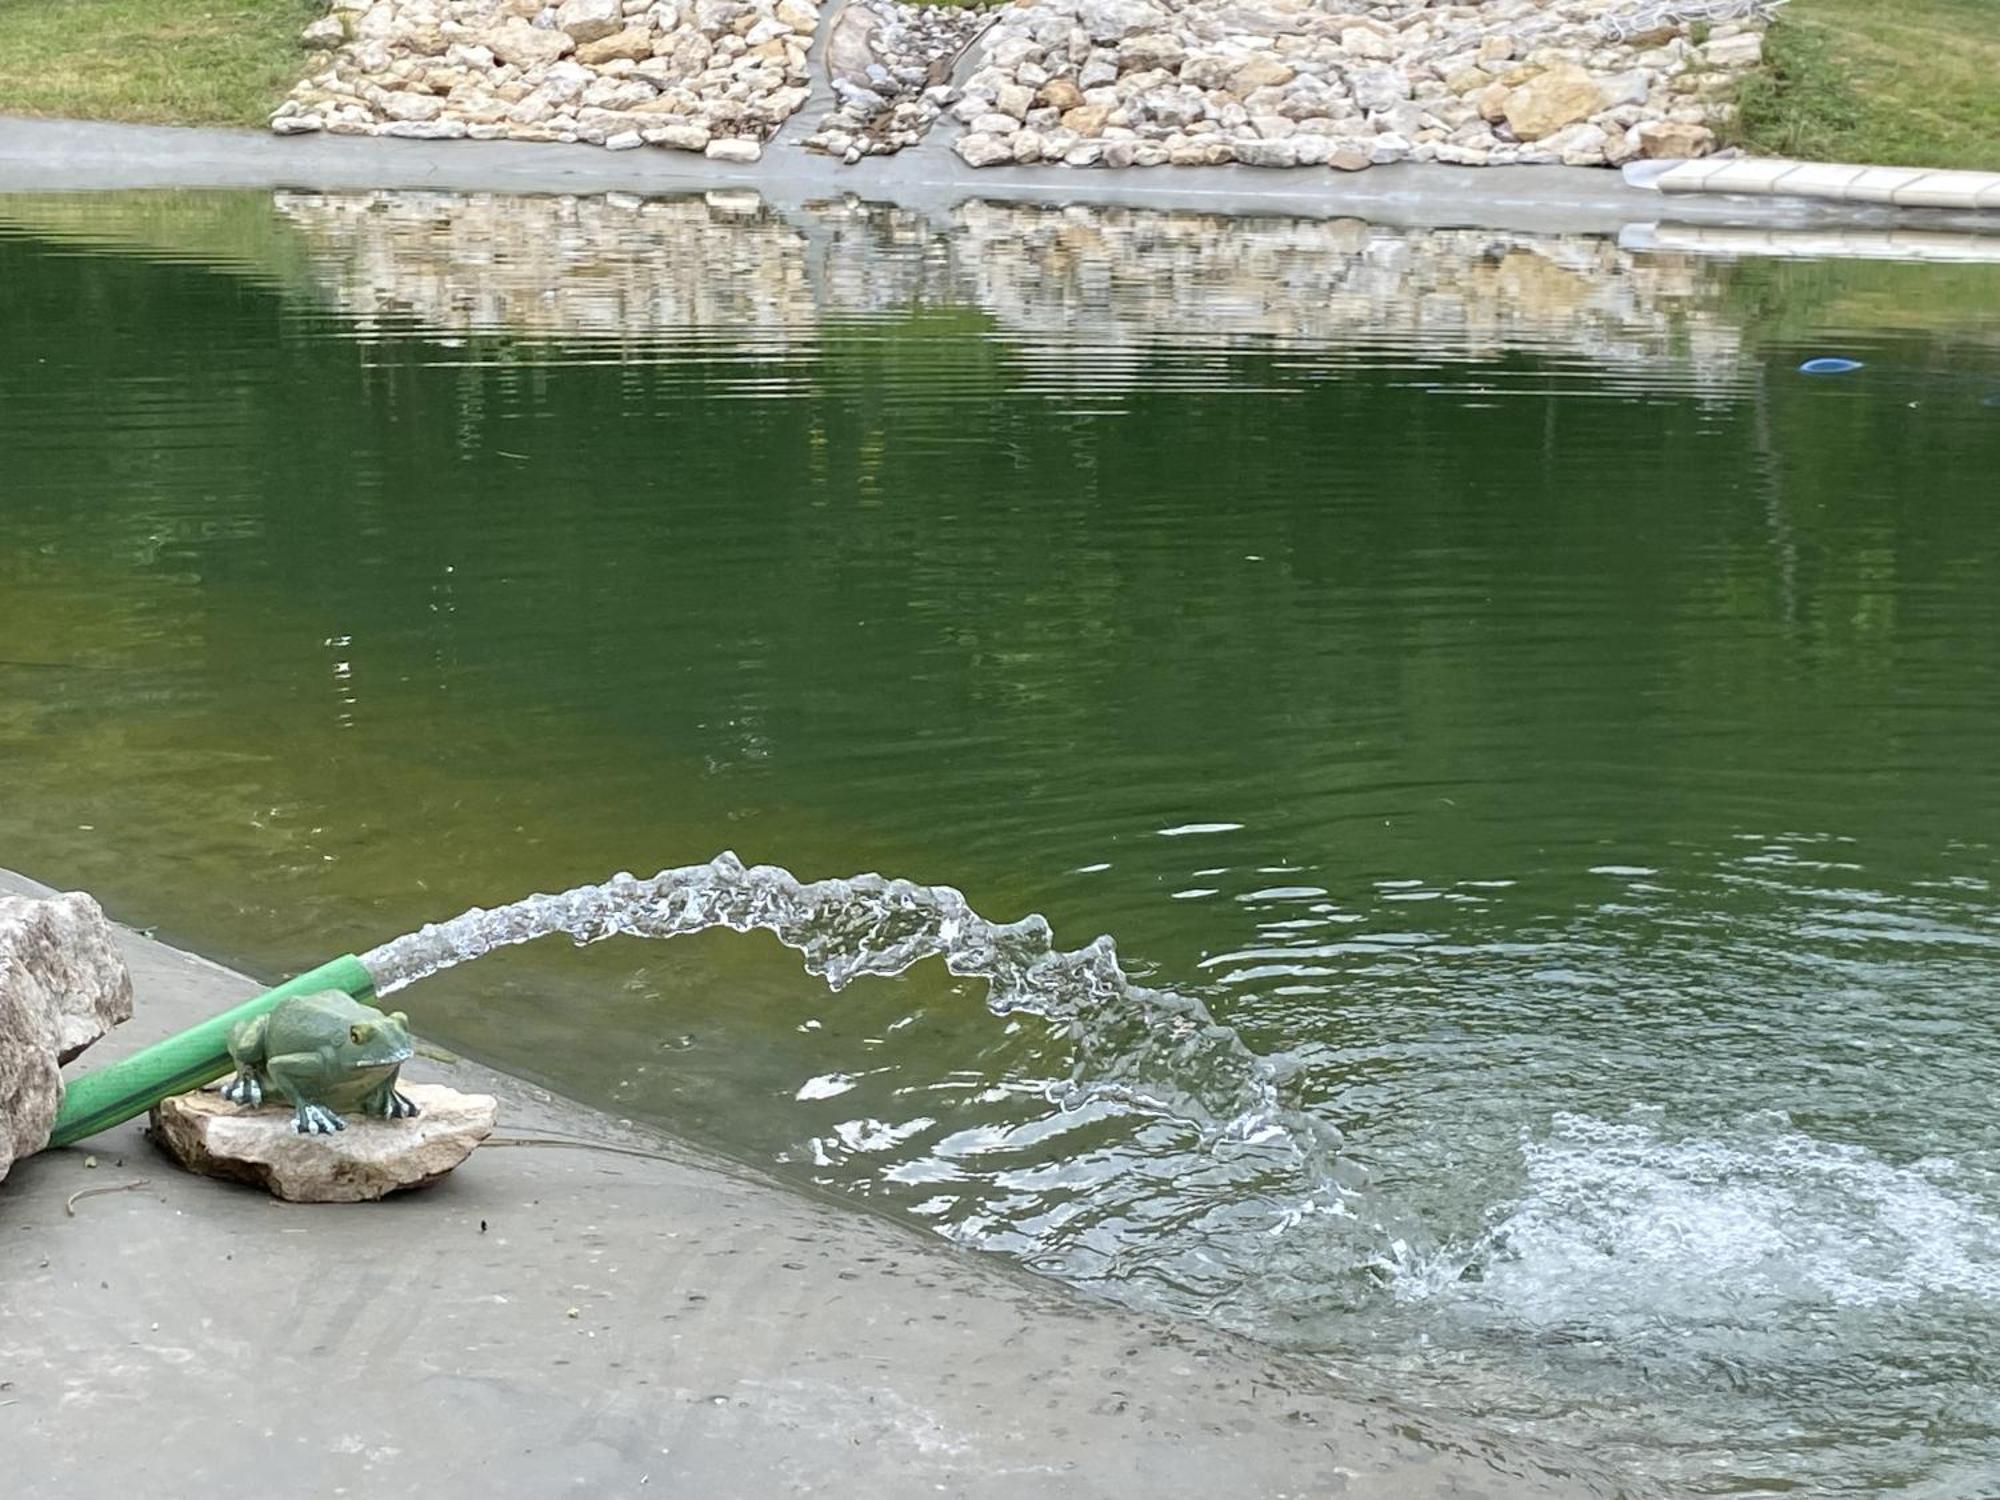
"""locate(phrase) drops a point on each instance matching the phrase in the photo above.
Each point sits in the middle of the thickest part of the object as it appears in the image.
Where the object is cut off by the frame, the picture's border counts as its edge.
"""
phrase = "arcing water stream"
(1154, 1050)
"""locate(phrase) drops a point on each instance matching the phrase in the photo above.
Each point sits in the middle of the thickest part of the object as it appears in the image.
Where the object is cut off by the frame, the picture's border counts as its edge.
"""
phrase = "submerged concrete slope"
(557, 1321)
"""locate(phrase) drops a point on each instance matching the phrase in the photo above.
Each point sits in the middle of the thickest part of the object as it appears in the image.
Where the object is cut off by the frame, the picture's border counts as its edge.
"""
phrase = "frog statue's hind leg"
(389, 1103)
(250, 1084)
(295, 1073)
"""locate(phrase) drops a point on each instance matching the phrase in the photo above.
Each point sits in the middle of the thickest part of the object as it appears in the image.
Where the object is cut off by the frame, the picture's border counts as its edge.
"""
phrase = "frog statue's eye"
(360, 1032)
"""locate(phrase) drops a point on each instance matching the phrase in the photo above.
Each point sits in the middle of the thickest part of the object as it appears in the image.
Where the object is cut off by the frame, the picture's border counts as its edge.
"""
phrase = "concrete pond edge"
(91, 156)
(620, 1309)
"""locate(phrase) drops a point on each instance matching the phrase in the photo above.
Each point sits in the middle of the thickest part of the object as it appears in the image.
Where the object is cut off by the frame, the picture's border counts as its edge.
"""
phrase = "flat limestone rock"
(370, 1159)
(63, 984)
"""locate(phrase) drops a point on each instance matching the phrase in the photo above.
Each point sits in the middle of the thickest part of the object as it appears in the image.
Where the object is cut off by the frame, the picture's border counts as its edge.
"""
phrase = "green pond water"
(1478, 665)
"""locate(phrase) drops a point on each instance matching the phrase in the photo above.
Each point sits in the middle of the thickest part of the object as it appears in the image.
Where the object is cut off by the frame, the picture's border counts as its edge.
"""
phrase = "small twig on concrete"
(123, 1187)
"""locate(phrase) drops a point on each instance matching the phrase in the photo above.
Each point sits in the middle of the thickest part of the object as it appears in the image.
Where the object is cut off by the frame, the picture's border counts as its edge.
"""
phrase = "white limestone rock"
(590, 20)
(1388, 148)
(983, 149)
(679, 137)
(425, 130)
(515, 41)
(326, 32)
(1114, 20)
(1380, 88)
(1744, 50)
(1268, 153)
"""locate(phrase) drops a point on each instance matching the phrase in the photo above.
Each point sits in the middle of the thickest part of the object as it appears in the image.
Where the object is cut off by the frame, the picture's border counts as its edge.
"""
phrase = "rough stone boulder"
(980, 148)
(1744, 50)
(1550, 100)
(63, 984)
(590, 20)
(515, 41)
(370, 1159)
(1673, 139)
(1260, 73)
(1261, 153)
(1380, 88)
(634, 44)
(1114, 20)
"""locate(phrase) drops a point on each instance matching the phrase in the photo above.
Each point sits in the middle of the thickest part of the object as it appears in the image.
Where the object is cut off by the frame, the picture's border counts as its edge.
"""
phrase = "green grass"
(202, 62)
(1900, 82)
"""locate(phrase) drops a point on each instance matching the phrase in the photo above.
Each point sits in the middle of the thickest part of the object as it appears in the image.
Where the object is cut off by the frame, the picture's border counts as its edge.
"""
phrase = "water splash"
(1765, 1226)
(1155, 1050)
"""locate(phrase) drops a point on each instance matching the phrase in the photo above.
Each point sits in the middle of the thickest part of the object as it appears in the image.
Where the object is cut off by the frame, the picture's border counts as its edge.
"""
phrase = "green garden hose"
(114, 1093)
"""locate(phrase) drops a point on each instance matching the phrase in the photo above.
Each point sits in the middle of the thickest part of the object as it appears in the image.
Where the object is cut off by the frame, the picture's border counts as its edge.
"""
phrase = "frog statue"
(324, 1052)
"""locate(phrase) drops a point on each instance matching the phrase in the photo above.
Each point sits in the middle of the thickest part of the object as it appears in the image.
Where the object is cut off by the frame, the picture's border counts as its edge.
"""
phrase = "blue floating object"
(1831, 366)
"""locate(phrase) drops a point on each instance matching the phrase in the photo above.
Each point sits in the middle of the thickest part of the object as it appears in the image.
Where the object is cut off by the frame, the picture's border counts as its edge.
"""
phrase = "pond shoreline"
(89, 156)
(569, 1319)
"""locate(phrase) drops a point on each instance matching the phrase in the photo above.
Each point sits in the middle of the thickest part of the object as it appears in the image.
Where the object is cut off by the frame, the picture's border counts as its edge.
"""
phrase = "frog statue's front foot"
(244, 1089)
(390, 1104)
(317, 1119)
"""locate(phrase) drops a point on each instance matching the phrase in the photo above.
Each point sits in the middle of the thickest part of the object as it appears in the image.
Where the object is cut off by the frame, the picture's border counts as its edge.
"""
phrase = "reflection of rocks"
(717, 76)
(601, 267)
(889, 65)
(1114, 277)
(1281, 83)
(1098, 281)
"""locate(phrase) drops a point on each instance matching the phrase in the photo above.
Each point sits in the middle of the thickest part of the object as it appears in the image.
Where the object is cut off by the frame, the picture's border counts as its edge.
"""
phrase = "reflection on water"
(1475, 665)
(1086, 292)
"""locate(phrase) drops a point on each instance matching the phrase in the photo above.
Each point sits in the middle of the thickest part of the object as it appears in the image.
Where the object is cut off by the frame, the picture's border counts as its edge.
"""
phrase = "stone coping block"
(1900, 187)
